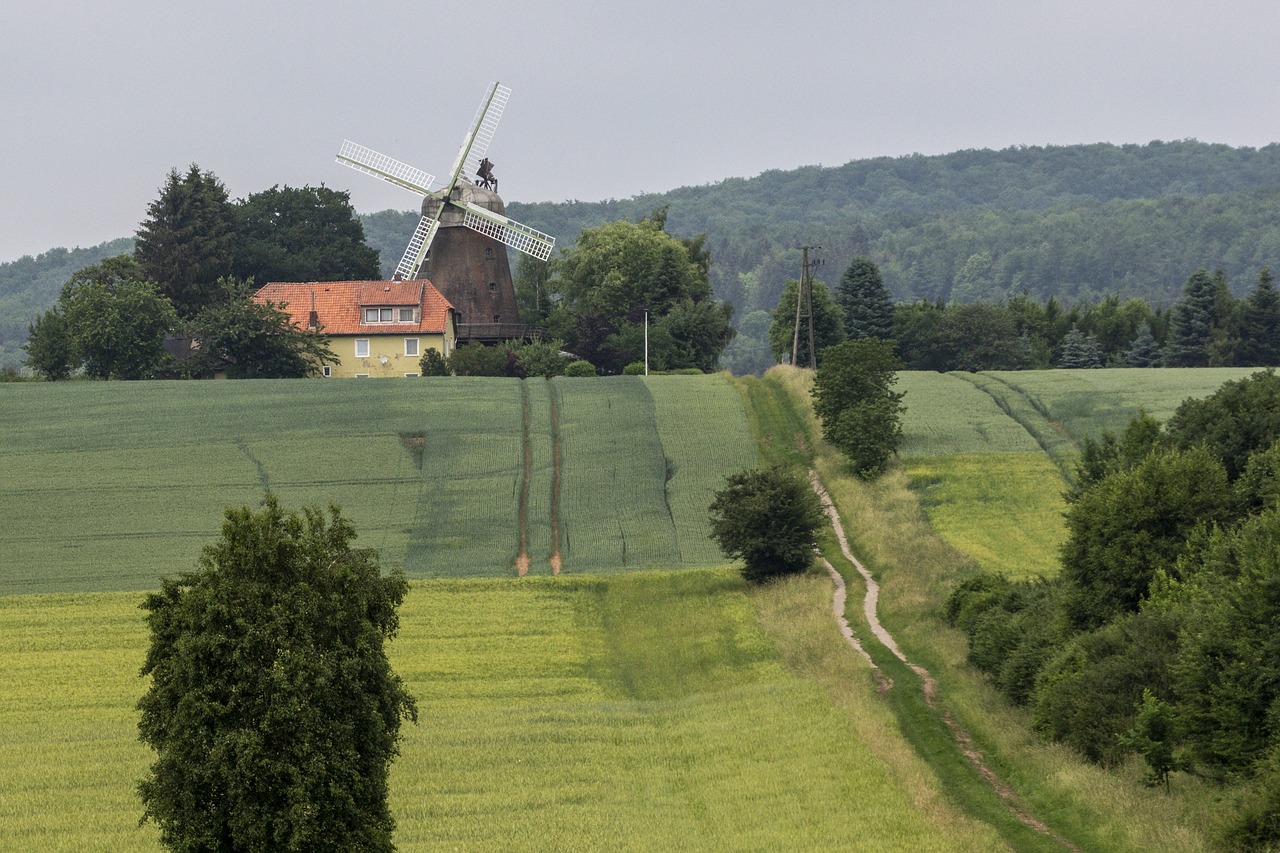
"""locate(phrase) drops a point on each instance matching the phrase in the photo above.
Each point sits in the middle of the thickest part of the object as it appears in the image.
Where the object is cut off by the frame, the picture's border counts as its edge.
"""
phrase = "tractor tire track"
(526, 469)
(554, 558)
(930, 685)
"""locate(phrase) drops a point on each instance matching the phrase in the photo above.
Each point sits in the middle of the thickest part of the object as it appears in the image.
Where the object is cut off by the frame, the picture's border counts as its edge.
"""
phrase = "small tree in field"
(768, 518)
(272, 708)
(853, 396)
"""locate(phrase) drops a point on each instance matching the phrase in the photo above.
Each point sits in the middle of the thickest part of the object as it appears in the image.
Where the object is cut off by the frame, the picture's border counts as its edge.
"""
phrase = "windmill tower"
(460, 242)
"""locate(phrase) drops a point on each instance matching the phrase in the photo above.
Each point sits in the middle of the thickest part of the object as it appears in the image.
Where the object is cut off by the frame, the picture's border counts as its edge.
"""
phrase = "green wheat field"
(668, 708)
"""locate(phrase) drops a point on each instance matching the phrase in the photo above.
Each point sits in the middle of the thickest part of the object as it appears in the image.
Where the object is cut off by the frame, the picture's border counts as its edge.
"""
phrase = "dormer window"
(389, 315)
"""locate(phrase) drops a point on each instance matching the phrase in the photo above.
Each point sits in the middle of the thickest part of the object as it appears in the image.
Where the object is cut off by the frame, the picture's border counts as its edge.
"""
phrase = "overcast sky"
(611, 98)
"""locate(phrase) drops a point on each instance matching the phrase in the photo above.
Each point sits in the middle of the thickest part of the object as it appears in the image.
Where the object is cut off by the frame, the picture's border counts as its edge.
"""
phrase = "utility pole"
(804, 300)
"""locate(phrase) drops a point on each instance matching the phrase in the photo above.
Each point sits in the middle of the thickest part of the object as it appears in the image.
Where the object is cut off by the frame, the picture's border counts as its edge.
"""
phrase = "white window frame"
(417, 348)
(402, 312)
(364, 341)
(362, 376)
(326, 370)
(411, 376)
(370, 316)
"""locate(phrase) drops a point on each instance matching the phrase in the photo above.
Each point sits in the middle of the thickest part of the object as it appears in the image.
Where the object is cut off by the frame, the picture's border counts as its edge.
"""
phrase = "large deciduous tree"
(853, 396)
(301, 234)
(255, 340)
(108, 322)
(616, 273)
(272, 708)
(188, 239)
(828, 323)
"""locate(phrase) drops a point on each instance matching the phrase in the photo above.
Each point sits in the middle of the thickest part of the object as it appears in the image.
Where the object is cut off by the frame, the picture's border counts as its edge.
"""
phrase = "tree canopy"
(187, 241)
(612, 276)
(272, 709)
(853, 396)
(301, 234)
(768, 518)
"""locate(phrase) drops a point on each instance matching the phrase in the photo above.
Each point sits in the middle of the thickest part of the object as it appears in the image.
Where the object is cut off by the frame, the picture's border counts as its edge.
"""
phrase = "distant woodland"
(1078, 223)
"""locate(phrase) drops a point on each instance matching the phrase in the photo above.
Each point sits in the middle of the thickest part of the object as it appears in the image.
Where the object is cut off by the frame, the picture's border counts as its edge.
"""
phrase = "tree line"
(1157, 639)
(197, 260)
(1207, 327)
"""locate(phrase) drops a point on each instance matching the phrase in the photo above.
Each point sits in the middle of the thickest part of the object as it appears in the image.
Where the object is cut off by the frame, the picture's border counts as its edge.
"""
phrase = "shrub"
(580, 368)
(768, 518)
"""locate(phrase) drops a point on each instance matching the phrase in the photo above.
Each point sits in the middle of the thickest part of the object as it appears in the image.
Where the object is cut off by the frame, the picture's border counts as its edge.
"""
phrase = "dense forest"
(1076, 222)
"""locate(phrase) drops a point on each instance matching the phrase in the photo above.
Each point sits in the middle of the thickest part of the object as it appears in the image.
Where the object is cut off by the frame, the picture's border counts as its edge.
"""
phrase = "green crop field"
(109, 486)
(647, 711)
(989, 453)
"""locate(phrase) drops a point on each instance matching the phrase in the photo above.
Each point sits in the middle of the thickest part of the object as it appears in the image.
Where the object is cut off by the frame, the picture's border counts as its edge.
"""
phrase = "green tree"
(433, 363)
(1145, 351)
(306, 234)
(49, 346)
(1234, 422)
(116, 322)
(476, 359)
(272, 709)
(256, 340)
(1135, 523)
(616, 273)
(828, 323)
(1229, 666)
(1079, 350)
(1260, 324)
(867, 305)
(853, 396)
(541, 358)
(187, 241)
(768, 518)
(1192, 322)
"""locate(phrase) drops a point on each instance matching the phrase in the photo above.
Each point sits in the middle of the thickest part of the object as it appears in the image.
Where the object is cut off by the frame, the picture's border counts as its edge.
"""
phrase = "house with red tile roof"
(376, 328)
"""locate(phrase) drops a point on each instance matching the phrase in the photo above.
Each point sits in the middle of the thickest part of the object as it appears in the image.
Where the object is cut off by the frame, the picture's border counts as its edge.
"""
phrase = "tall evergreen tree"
(1079, 350)
(1145, 350)
(187, 241)
(1260, 324)
(867, 305)
(1192, 322)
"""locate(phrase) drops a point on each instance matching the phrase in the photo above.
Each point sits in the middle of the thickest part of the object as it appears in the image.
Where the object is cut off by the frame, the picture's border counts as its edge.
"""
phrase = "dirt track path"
(930, 685)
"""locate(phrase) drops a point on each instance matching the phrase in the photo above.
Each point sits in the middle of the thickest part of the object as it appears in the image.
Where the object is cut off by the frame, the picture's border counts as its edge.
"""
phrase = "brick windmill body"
(460, 243)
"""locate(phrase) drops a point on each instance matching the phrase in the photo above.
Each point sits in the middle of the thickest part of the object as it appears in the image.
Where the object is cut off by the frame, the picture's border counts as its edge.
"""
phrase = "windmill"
(472, 272)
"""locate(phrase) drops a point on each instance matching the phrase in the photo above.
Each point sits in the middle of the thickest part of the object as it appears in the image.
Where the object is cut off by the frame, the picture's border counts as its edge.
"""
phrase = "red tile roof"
(339, 304)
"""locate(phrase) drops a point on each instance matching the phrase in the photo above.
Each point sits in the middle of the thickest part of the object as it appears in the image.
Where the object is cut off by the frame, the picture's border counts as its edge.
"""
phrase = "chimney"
(313, 319)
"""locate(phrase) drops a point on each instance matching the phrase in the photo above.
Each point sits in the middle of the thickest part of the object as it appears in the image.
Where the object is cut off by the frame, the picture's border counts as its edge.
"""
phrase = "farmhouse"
(377, 328)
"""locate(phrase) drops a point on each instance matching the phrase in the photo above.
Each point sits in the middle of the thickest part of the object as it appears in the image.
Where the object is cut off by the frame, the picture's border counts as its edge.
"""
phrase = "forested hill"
(1075, 221)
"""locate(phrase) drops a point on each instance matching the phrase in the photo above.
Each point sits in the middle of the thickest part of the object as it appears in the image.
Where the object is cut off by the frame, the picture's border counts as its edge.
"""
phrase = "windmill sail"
(381, 166)
(471, 155)
(514, 234)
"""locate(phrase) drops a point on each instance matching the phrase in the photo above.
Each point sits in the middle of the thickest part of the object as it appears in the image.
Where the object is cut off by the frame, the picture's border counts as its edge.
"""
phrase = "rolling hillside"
(135, 477)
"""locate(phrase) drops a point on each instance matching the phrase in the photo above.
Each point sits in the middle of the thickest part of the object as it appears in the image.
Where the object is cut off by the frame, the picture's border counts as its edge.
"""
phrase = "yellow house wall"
(389, 347)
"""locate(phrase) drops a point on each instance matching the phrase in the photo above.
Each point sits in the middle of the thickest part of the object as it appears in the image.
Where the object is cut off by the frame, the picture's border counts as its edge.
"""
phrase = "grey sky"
(610, 98)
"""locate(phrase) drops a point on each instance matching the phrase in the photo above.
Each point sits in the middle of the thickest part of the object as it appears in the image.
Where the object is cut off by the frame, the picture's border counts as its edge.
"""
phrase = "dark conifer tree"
(867, 305)
(1260, 324)
(1145, 350)
(1079, 350)
(187, 241)
(1192, 322)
